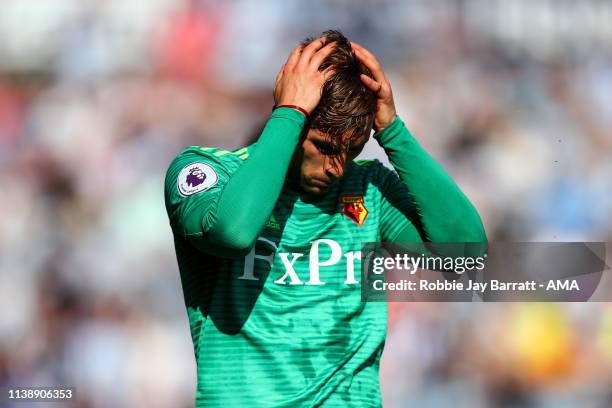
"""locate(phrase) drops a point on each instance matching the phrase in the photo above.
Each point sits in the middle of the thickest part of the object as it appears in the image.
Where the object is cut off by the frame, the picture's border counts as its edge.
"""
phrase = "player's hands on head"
(385, 107)
(299, 81)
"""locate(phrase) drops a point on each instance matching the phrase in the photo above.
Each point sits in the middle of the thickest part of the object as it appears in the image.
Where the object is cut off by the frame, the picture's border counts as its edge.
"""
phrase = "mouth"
(320, 183)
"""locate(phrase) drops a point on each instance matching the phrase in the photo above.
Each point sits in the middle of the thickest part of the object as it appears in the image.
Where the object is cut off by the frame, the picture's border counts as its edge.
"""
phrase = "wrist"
(390, 131)
(386, 123)
(292, 115)
(294, 107)
(393, 123)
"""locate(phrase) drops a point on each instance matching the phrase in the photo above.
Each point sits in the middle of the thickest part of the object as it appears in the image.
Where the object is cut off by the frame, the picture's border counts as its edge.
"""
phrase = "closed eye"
(328, 149)
(325, 148)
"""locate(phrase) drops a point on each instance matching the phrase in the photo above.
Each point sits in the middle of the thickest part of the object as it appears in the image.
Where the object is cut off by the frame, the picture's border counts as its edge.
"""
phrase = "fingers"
(329, 71)
(363, 50)
(309, 51)
(280, 74)
(372, 64)
(319, 56)
(370, 61)
(370, 83)
(294, 57)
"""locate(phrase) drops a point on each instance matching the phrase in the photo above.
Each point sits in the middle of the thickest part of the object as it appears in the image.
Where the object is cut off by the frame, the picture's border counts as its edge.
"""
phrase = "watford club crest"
(353, 207)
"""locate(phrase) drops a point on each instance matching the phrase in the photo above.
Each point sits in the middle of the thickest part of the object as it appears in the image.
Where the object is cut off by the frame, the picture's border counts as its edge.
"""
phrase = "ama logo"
(195, 178)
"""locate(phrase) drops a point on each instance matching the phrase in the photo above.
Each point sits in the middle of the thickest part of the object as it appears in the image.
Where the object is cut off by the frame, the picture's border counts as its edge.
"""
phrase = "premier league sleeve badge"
(195, 178)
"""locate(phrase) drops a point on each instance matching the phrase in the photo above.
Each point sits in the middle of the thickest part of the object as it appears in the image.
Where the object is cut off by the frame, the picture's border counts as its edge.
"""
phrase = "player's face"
(321, 166)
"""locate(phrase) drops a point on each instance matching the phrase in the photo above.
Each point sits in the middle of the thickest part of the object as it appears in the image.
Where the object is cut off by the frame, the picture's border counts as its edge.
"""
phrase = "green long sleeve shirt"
(271, 277)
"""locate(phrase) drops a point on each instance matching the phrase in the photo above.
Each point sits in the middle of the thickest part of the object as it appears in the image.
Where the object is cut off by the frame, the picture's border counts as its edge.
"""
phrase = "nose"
(335, 166)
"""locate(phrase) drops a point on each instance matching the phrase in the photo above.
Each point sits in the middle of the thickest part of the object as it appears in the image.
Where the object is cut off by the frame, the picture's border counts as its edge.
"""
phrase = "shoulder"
(212, 154)
(370, 171)
(199, 168)
(371, 177)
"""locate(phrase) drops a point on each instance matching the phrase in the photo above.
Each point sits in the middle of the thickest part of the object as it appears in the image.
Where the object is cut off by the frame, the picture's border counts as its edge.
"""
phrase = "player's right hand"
(299, 81)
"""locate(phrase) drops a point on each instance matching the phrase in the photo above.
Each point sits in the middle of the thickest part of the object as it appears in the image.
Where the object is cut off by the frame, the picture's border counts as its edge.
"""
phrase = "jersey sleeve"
(399, 220)
(193, 186)
(220, 203)
(438, 210)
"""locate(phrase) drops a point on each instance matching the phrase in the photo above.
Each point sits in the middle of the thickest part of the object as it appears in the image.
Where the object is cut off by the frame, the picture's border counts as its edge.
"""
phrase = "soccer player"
(268, 236)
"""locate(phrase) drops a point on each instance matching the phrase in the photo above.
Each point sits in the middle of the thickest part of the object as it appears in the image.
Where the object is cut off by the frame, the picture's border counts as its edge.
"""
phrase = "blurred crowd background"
(512, 97)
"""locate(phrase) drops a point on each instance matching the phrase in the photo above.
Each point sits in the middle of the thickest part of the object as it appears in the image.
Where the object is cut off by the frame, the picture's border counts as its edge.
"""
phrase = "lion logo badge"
(195, 178)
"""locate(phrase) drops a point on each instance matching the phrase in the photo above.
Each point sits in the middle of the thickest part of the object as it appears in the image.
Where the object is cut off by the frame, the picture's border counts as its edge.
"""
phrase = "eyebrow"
(325, 144)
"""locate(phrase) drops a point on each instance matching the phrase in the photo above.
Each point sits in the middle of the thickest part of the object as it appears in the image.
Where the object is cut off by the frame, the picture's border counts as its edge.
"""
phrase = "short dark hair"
(347, 106)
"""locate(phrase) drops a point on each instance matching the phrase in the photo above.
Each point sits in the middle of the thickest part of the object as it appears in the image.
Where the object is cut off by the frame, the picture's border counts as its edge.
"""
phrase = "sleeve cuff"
(289, 113)
(396, 128)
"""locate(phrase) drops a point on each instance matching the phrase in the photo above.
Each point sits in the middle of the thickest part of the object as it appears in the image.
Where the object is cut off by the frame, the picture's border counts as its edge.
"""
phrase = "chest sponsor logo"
(353, 206)
(316, 261)
(195, 178)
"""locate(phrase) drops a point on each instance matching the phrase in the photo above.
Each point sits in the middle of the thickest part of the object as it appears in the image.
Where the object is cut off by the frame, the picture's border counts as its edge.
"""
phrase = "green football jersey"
(285, 324)
(271, 277)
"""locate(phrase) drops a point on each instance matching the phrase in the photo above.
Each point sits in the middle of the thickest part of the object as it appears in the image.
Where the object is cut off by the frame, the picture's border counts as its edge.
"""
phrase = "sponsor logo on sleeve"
(195, 178)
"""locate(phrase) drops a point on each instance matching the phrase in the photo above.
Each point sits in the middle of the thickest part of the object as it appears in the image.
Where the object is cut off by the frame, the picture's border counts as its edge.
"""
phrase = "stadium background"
(514, 98)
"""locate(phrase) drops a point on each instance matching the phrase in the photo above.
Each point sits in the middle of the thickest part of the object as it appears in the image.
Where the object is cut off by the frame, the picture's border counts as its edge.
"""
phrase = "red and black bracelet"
(297, 108)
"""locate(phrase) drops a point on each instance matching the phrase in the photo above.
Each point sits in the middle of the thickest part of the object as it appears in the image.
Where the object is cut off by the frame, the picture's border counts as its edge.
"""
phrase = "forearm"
(249, 196)
(446, 215)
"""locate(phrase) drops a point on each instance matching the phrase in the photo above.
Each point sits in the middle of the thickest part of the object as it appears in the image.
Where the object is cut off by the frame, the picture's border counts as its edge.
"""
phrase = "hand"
(385, 107)
(299, 81)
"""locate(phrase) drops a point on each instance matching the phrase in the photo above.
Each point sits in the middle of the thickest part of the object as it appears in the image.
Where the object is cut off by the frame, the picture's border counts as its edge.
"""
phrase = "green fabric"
(444, 214)
(227, 220)
(284, 325)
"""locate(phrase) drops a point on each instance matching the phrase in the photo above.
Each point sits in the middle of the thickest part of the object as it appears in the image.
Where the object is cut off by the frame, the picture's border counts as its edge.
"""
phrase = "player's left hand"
(385, 107)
